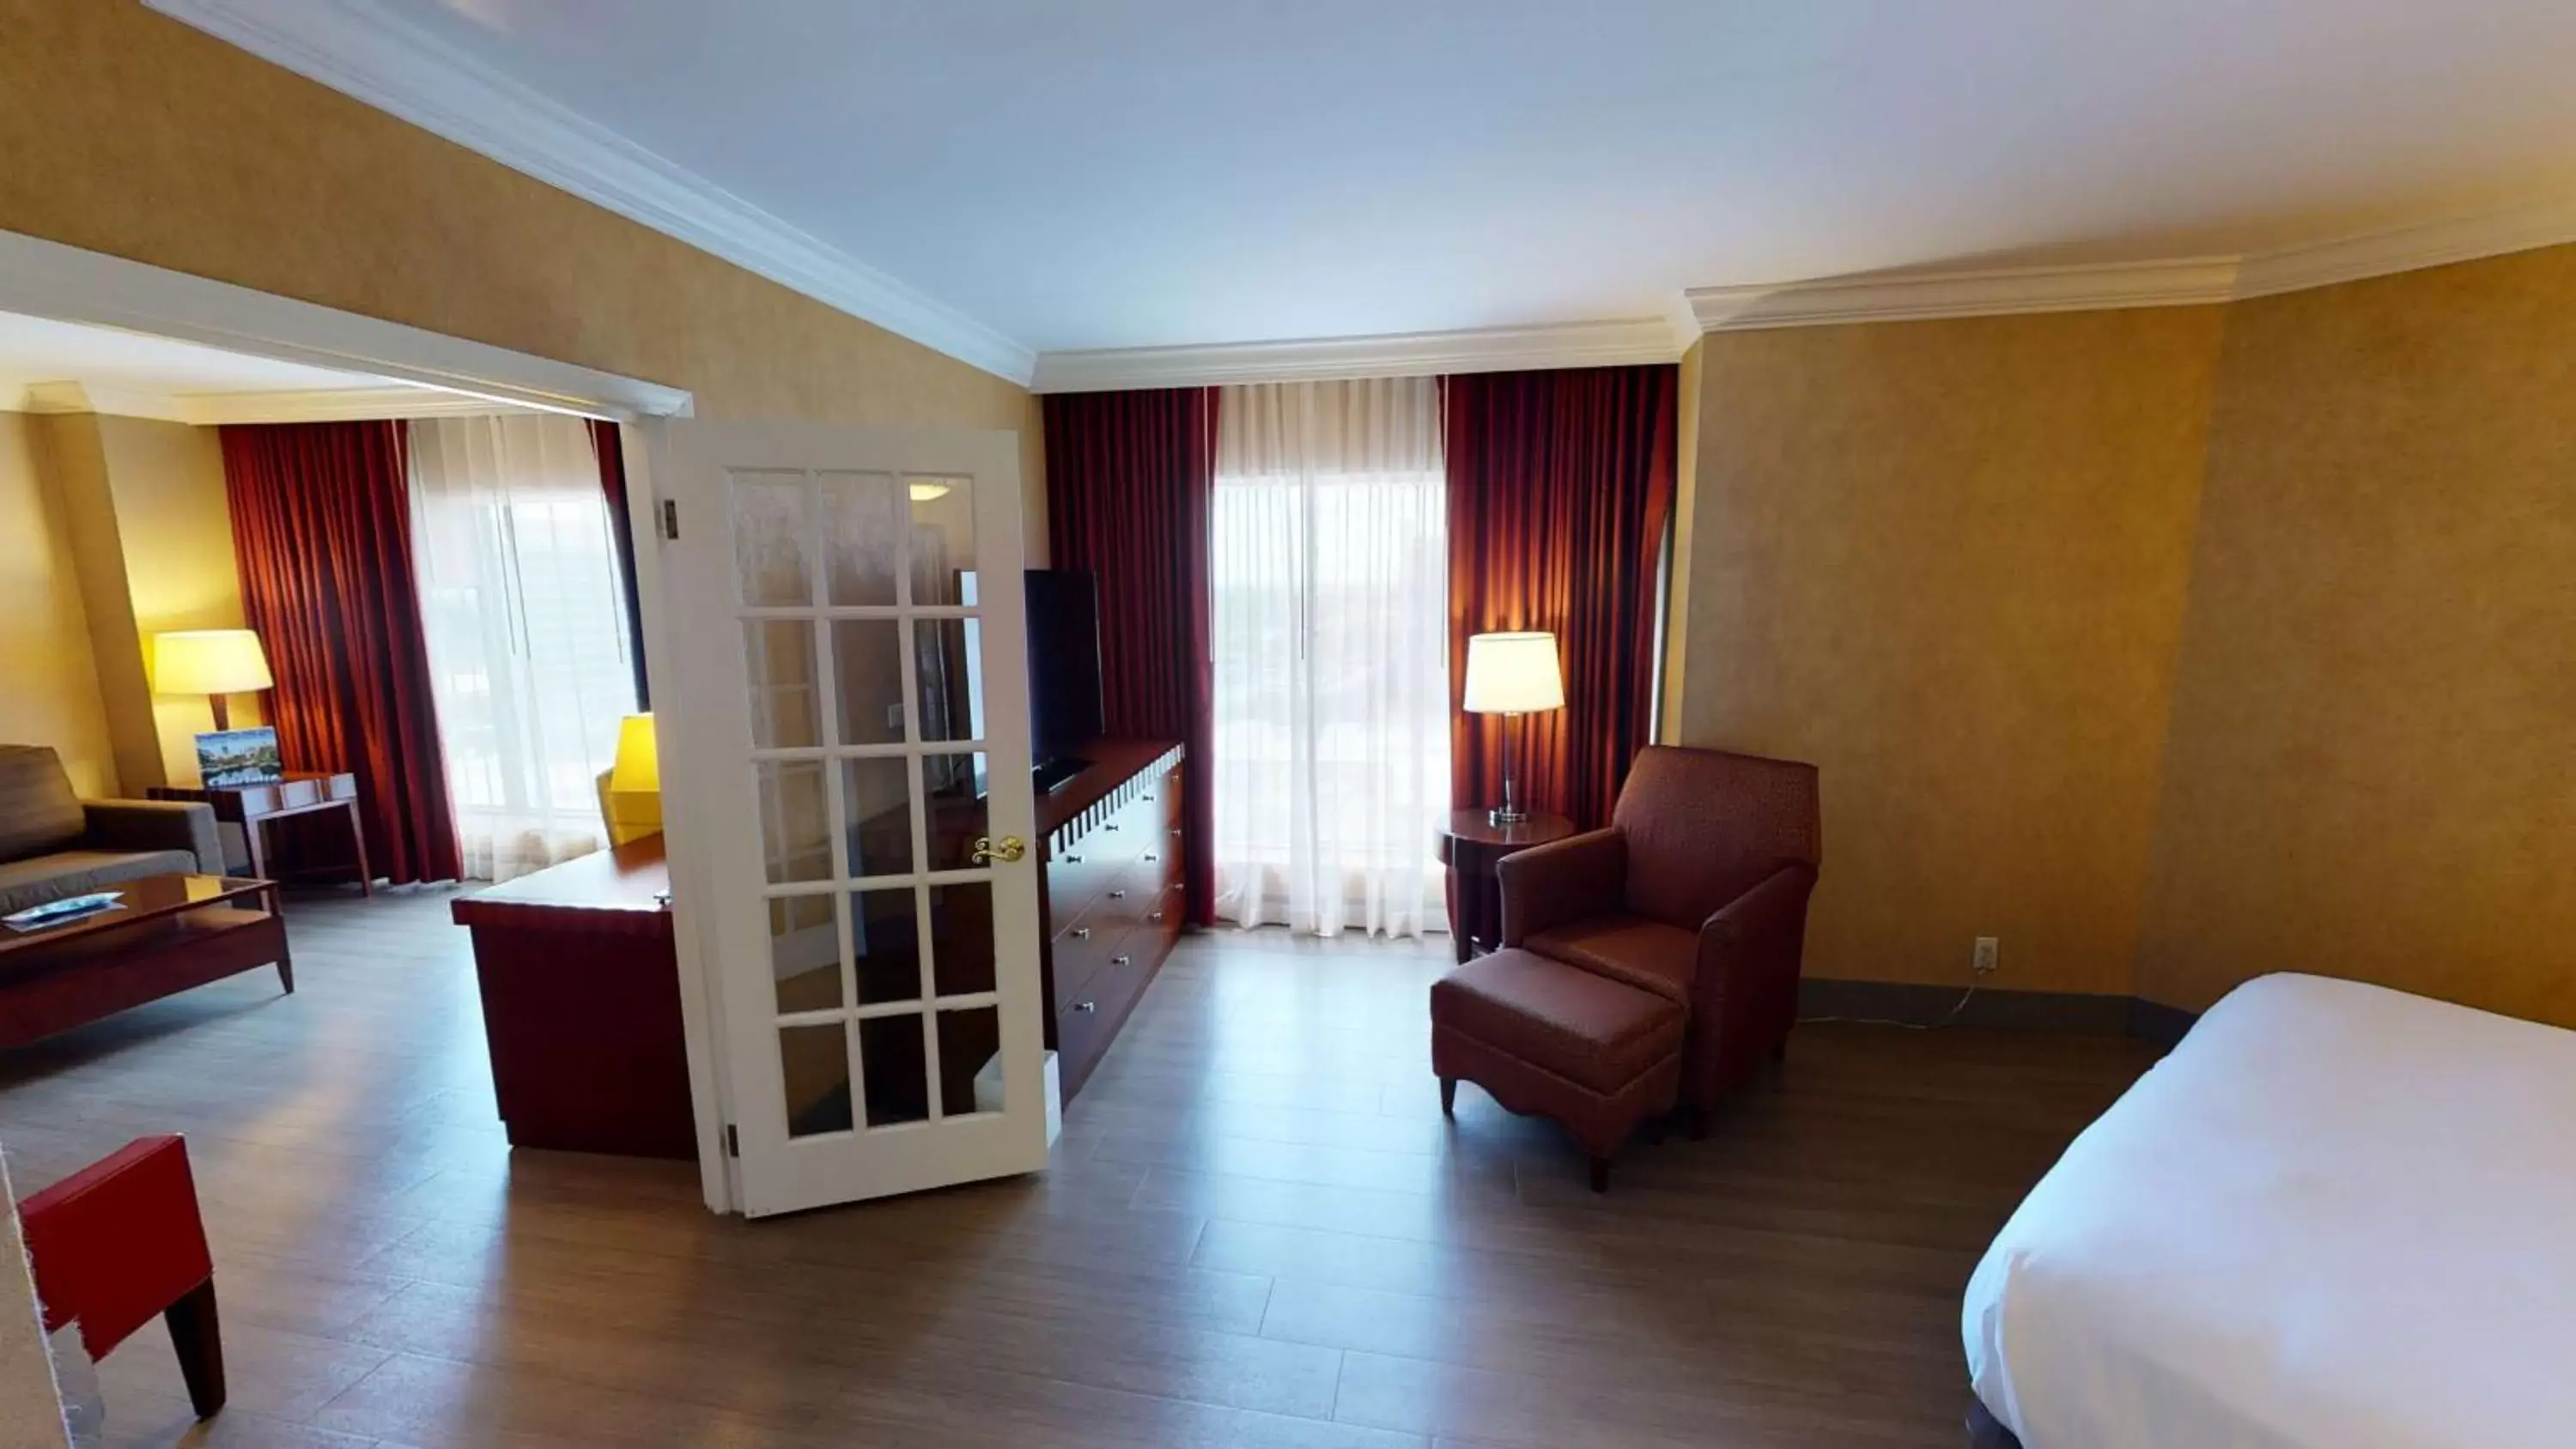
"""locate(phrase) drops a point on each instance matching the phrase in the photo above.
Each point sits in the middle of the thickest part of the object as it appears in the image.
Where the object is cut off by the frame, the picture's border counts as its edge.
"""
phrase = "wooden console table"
(252, 807)
(581, 1005)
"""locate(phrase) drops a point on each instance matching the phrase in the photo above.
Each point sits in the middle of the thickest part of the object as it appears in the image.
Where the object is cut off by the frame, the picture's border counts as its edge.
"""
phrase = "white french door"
(848, 719)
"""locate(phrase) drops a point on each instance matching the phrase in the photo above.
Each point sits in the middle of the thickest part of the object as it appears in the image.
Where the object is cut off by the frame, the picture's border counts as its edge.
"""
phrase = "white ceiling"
(53, 366)
(1135, 173)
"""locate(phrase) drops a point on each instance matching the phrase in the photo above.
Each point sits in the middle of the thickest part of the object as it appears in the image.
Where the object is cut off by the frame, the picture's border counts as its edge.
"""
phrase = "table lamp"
(211, 662)
(630, 794)
(1512, 674)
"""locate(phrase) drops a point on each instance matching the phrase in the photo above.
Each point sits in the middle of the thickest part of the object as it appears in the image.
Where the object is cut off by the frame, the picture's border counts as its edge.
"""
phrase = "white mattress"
(2336, 1217)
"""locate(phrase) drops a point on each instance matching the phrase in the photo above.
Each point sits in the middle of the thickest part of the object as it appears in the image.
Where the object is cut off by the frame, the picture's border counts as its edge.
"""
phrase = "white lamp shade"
(208, 661)
(1513, 674)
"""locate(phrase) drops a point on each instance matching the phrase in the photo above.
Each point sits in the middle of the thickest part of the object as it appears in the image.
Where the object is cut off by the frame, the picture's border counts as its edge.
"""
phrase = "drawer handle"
(1118, 895)
(1149, 855)
(1086, 1006)
(1121, 960)
(1082, 933)
(1112, 825)
(1154, 915)
(1073, 860)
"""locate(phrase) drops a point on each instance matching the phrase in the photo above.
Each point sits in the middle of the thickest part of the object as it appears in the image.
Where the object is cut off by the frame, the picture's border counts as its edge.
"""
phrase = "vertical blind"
(1328, 559)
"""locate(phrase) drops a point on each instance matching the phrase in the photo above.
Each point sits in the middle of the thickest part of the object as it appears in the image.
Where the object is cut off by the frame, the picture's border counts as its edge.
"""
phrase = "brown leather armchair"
(1697, 892)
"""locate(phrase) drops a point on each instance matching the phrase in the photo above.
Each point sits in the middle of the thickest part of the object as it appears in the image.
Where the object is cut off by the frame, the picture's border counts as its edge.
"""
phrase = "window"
(526, 626)
(1329, 555)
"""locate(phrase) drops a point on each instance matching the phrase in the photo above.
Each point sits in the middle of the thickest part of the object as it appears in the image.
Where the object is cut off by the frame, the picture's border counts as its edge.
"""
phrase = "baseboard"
(2073, 1013)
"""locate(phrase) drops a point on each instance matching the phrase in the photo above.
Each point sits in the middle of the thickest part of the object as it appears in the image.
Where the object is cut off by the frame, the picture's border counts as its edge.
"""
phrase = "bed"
(2335, 1217)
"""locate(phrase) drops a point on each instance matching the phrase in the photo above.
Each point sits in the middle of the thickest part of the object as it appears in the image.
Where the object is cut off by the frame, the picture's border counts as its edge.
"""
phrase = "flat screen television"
(1064, 671)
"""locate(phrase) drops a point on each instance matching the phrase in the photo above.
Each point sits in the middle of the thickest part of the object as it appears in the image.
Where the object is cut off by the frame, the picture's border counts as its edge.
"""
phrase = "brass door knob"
(1011, 848)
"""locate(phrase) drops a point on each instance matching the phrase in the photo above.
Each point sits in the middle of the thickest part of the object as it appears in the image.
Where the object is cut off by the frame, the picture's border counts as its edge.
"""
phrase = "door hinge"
(670, 518)
(733, 1140)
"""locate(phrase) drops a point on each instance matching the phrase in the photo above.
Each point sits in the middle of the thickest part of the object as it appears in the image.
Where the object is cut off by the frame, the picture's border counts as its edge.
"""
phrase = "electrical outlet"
(1984, 959)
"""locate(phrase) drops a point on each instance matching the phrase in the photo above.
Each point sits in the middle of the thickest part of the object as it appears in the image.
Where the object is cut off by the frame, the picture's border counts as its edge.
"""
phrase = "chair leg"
(199, 1340)
(1601, 1174)
(1448, 1096)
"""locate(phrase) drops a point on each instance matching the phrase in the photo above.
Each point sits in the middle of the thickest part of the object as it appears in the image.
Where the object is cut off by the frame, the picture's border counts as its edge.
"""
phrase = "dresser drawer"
(1080, 948)
(1092, 1016)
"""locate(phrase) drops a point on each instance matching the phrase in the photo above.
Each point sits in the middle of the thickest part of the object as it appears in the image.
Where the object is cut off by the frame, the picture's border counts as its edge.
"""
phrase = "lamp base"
(1505, 815)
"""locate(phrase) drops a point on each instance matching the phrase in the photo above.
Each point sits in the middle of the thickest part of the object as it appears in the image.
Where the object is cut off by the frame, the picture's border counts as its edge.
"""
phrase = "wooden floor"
(1259, 1232)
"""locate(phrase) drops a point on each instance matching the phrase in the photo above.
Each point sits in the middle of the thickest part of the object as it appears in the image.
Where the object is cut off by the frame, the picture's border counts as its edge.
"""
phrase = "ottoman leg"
(1601, 1174)
(1448, 1096)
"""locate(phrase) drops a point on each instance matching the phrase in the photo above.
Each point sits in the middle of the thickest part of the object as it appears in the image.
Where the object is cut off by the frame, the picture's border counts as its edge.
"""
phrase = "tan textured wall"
(2372, 768)
(130, 133)
(48, 688)
(176, 533)
(74, 455)
(1947, 562)
(1676, 660)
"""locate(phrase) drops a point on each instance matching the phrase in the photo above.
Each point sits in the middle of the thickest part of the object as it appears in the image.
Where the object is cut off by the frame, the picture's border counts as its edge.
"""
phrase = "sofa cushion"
(38, 811)
(43, 878)
(1646, 954)
(1585, 1028)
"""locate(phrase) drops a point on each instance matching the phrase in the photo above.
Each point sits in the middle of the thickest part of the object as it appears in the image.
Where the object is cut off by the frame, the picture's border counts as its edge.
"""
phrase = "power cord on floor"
(1945, 1018)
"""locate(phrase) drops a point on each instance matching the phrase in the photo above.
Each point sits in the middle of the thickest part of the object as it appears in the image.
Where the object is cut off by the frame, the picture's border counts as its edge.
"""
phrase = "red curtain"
(1560, 485)
(322, 534)
(1130, 476)
(605, 441)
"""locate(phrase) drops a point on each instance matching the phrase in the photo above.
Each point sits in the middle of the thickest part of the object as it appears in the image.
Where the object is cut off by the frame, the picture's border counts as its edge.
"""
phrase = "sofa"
(55, 844)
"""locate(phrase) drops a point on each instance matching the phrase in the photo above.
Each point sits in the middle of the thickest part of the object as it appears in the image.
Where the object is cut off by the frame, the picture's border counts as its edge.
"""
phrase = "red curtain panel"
(604, 440)
(1560, 485)
(1130, 476)
(322, 536)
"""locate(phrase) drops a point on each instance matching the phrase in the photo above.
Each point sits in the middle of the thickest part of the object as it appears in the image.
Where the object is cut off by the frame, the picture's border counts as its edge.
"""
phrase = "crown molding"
(2408, 248)
(81, 397)
(213, 409)
(1408, 354)
(361, 49)
(1989, 292)
(334, 405)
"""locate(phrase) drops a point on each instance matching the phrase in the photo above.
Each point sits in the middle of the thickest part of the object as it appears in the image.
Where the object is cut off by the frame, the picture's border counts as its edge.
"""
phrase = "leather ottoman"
(1552, 1040)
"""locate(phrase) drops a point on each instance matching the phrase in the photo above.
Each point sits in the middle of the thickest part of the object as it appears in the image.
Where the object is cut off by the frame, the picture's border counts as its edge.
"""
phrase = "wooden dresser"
(1109, 893)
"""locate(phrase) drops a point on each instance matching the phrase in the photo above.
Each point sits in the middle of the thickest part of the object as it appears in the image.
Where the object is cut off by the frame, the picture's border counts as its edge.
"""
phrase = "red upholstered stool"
(1552, 1040)
(118, 1244)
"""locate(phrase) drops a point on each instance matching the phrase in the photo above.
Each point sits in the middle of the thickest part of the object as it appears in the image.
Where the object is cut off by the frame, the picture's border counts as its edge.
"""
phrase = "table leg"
(285, 950)
(358, 838)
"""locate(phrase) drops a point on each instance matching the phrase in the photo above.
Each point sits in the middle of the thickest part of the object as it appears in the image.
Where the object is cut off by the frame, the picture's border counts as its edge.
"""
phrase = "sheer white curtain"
(1329, 554)
(527, 632)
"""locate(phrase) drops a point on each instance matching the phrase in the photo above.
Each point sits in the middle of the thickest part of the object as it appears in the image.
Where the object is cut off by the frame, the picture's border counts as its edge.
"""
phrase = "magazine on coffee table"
(69, 908)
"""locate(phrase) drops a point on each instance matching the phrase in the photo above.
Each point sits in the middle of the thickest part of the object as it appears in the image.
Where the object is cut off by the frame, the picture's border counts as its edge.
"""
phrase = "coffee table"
(169, 933)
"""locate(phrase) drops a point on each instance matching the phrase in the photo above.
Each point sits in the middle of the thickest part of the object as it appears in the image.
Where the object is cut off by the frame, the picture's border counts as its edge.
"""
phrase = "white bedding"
(2336, 1217)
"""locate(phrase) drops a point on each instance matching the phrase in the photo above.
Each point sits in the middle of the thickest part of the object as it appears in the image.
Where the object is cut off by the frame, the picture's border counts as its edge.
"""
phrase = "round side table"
(1470, 847)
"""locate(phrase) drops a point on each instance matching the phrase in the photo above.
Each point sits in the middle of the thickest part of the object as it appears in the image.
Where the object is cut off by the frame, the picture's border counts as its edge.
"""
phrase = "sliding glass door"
(1329, 553)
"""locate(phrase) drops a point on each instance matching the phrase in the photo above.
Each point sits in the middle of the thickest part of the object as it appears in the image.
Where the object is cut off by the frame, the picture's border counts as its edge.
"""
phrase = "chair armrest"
(156, 825)
(1749, 951)
(1565, 880)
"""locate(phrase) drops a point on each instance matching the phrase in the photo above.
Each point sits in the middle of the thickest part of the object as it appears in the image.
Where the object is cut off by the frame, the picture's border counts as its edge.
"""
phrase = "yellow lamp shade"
(1513, 674)
(208, 661)
(639, 759)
